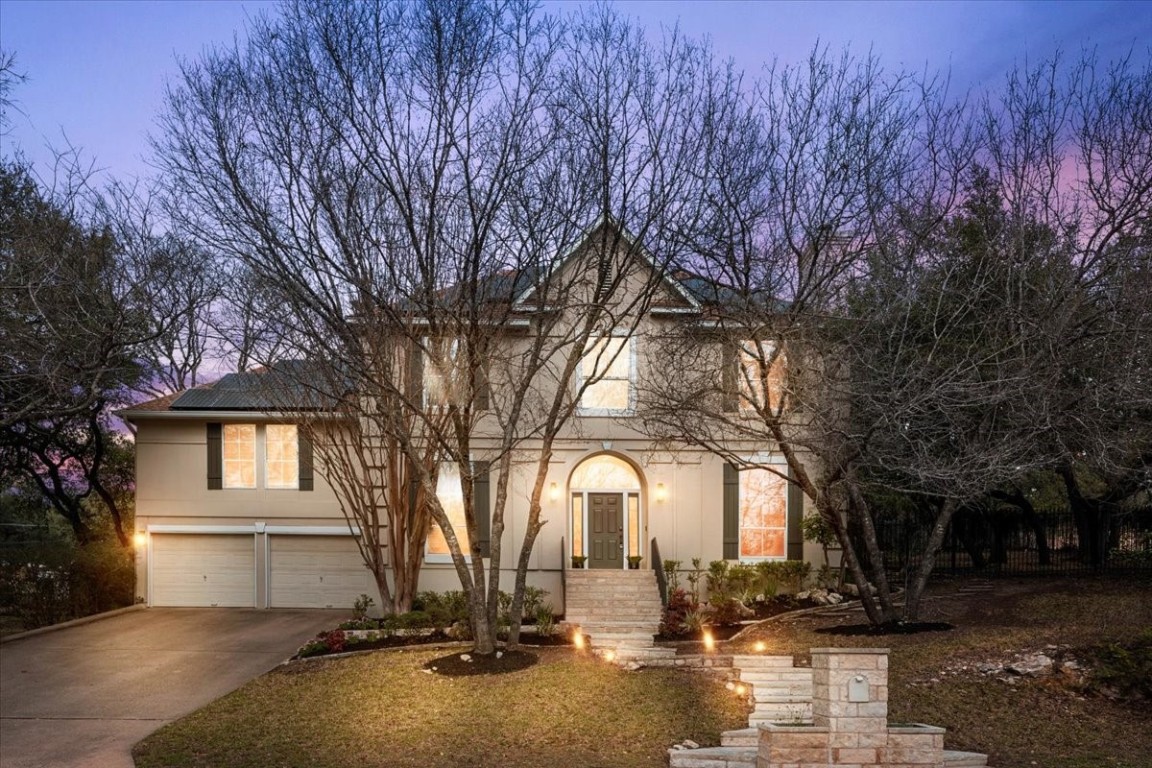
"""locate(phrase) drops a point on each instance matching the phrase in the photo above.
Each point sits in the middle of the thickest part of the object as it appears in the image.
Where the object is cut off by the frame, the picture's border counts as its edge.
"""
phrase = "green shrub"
(533, 600)
(1126, 669)
(672, 575)
(361, 606)
(545, 621)
(445, 608)
(46, 583)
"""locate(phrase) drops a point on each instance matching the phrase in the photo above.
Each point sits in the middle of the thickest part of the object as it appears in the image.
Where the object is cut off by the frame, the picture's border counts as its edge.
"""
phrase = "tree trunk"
(920, 579)
(1088, 519)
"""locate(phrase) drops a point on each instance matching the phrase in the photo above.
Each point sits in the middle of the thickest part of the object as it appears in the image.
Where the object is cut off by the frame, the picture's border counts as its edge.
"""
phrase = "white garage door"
(203, 570)
(316, 572)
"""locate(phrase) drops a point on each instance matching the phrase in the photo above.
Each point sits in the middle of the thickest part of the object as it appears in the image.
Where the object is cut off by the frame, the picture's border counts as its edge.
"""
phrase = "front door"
(606, 521)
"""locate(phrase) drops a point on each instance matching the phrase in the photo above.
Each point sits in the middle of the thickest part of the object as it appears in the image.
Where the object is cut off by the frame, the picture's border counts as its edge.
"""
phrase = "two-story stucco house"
(231, 512)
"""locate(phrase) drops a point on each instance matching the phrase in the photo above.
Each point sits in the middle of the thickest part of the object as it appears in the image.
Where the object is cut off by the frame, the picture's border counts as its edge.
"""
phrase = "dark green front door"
(606, 521)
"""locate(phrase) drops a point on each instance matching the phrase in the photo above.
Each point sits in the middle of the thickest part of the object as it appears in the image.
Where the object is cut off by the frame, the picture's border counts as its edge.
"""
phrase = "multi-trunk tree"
(454, 203)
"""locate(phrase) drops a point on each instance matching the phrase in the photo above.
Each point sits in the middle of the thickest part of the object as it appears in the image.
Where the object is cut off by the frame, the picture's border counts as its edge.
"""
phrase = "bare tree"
(419, 182)
(844, 172)
(887, 328)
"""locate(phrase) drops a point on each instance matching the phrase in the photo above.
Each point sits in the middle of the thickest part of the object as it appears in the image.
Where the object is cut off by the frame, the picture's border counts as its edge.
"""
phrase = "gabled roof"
(693, 305)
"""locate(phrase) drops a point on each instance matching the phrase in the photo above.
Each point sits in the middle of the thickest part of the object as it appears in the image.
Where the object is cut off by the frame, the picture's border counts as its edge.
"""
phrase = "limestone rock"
(1031, 665)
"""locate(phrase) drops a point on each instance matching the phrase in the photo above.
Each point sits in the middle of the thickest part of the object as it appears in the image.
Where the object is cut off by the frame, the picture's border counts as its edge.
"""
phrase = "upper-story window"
(610, 363)
(760, 375)
(281, 456)
(439, 371)
(239, 451)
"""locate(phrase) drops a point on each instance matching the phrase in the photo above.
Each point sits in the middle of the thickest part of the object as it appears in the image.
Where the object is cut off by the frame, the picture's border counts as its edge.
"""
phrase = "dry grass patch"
(1036, 722)
(381, 709)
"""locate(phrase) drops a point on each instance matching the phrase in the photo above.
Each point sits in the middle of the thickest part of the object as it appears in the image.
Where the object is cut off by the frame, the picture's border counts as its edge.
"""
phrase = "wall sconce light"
(554, 492)
(140, 539)
(661, 493)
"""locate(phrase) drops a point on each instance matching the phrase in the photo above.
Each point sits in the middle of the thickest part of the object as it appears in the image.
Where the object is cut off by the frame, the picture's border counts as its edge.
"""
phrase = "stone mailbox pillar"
(850, 721)
(850, 691)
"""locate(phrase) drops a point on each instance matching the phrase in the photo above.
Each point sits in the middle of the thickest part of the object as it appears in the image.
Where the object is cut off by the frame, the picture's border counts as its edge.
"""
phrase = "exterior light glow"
(554, 492)
(578, 639)
(761, 646)
(140, 539)
(741, 689)
(661, 493)
(709, 641)
(609, 655)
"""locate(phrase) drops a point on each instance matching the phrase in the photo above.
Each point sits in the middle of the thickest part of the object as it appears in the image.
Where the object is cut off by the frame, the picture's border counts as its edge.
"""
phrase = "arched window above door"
(605, 472)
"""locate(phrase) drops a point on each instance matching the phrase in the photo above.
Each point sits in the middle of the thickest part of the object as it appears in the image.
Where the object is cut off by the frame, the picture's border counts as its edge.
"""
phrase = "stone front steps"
(617, 609)
(745, 757)
(780, 691)
(713, 757)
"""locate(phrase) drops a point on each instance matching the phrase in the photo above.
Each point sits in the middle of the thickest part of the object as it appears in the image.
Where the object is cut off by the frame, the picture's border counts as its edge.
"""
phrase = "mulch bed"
(882, 630)
(404, 641)
(469, 664)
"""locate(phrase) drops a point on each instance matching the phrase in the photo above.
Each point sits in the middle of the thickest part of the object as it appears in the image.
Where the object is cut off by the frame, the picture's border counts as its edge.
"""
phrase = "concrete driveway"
(82, 696)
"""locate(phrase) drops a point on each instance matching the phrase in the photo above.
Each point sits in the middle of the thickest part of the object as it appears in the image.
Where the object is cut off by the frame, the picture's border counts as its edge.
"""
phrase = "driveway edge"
(72, 623)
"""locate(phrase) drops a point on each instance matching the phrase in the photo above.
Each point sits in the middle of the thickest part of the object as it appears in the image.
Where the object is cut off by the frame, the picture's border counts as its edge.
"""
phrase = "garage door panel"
(316, 572)
(203, 570)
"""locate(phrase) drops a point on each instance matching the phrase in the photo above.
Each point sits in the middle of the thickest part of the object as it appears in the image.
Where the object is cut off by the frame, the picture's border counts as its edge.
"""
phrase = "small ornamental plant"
(335, 640)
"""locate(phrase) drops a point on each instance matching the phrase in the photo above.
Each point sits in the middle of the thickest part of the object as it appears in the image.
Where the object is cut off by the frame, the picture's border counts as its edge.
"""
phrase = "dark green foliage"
(1125, 669)
(45, 583)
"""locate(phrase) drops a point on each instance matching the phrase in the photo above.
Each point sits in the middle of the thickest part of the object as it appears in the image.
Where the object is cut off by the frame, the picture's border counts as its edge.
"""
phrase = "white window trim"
(262, 430)
(630, 410)
(257, 464)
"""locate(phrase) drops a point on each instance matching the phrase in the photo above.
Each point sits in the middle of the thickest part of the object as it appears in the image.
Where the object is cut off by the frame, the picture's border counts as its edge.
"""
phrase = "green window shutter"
(795, 516)
(215, 457)
(416, 374)
(731, 513)
(304, 460)
(482, 507)
(481, 399)
(729, 382)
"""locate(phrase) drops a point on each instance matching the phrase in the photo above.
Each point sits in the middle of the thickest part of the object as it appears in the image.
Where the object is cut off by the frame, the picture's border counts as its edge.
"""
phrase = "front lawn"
(381, 709)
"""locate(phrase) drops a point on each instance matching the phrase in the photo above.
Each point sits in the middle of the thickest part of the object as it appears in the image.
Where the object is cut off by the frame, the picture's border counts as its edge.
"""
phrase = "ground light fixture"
(609, 655)
(709, 641)
(578, 639)
(760, 646)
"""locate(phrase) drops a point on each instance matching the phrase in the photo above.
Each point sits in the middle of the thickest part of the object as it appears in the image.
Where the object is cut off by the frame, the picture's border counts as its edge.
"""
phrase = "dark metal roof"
(287, 387)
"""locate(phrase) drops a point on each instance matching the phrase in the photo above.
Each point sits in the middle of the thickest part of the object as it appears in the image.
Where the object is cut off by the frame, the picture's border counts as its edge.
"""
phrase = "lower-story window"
(451, 497)
(763, 515)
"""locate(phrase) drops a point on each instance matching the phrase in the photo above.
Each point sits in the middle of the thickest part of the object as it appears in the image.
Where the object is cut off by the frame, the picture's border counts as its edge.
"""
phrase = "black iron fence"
(1001, 543)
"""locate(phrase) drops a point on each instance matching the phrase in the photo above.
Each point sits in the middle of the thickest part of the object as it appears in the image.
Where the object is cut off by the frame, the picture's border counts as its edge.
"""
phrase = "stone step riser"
(713, 757)
(746, 737)
(765, 662)
(783, 693)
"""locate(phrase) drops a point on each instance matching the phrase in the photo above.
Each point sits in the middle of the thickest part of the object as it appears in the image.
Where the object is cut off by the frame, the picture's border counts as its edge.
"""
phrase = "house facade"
(232, 510)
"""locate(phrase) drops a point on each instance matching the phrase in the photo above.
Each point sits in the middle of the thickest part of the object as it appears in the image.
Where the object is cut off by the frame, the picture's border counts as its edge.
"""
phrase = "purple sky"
(97, 69)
